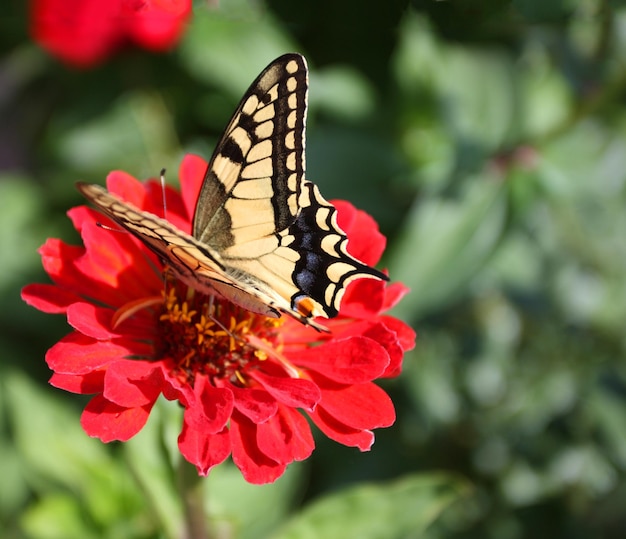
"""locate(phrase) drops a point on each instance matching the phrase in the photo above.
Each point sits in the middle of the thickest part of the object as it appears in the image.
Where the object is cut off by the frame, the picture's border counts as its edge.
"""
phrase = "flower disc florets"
(211, 336)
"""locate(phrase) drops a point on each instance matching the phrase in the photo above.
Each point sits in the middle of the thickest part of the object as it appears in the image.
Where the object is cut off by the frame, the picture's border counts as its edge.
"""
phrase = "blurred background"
(487, 138)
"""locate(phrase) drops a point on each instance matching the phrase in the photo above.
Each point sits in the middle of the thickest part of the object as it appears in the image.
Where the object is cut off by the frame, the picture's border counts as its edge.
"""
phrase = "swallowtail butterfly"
(263, 236)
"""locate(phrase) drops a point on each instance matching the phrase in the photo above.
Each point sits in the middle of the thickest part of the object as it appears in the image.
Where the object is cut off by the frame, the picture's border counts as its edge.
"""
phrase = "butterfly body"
(263, 236)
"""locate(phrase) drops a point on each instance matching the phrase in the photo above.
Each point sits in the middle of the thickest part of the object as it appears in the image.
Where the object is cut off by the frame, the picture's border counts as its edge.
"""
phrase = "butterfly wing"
(194, 263)
(256, 209)
(253, 180)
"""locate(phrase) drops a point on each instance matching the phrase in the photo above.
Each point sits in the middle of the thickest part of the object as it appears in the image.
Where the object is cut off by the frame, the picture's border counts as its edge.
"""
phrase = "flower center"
(213, 336)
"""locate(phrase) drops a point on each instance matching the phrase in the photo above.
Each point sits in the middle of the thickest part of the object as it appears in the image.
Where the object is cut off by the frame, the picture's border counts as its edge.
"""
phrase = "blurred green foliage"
(488, 138)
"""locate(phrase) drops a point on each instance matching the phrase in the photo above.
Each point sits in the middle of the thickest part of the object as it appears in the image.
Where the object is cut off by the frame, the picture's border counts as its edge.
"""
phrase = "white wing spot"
(285, 241)
(284, 251)
(291, 119)
(329, 244)
(337, 270)
(264, 130)
(242, 138)
(290, 140)
(258, 169)
(250, 105)
(260, 151)
(264, 114)
(225, 170)
(292, 202)
(253, 189)
(321, 218)
(292, 182)
(292, 67)
(329, 293)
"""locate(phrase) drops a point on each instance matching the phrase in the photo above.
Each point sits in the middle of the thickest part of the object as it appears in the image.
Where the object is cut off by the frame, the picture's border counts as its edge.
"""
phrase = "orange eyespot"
(305, 306)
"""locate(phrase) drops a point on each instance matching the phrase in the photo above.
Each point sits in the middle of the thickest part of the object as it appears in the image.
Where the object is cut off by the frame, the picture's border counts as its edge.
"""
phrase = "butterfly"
(263, 236)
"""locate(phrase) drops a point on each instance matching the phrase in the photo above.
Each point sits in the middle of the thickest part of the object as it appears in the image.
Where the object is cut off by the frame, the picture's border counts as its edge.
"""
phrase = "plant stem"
(191, 492)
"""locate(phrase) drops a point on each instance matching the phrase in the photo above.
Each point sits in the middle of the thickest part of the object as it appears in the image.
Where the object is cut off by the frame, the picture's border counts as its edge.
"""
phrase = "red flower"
(241, 377)
(84, 33)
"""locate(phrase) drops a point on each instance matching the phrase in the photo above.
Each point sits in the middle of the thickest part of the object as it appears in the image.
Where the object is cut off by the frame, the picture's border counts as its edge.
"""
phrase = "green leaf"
(342, 92)
(57, 517)
(135, 134)
(444, 243)
(476, 89)
(150, 455)
(21, 205)
(354, 164)
(48, 434)
(57, 456)
(227, 49)
(248, 511)
(399, 509)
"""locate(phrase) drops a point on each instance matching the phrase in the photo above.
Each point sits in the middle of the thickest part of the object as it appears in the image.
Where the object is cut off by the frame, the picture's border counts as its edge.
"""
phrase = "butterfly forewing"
(263, 236)
(254, 177)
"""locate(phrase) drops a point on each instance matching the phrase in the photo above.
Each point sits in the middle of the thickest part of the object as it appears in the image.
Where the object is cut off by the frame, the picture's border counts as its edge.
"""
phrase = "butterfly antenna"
(163, 193)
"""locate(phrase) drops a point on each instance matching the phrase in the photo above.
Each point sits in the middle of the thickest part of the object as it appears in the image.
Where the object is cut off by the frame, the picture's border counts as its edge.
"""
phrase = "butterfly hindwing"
(262, 236)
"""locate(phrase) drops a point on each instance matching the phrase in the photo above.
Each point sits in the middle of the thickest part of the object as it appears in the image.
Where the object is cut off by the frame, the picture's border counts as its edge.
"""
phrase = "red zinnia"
(241, 377)
(85, 32)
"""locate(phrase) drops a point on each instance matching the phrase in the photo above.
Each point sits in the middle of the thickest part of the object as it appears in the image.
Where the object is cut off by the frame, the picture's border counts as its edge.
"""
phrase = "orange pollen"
(212, 336)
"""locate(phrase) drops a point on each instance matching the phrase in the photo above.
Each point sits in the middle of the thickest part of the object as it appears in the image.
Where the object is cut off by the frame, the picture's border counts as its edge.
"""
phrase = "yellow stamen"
(264, 347)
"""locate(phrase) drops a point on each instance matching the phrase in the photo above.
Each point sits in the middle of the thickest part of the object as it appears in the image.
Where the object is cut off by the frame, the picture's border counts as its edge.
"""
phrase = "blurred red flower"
(240, 377)
(83, 33)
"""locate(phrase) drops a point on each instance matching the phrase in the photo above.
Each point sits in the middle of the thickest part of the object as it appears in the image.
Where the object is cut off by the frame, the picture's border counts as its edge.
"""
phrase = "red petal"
(84, 384)
(256, 467)
(157, 24)
(89, 274)
(363, 298)
(363, 406)
(351, 360)
(58, 260)
(211, 408)
(119, 263)
(108, 421)
(365, 243)
(48, 298)
(78, 354)
(378, 329)
(96, 322)
(256, 404)
(286, 437)
(335, 430)
(387, 338)
(174, 210)
(80, 32)
(191, 173)
(202, 449)
(132, 383)
(91, 320)
(405, 333)
(394, 292)
(127, 187)
(173, 388)
(297, 393)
